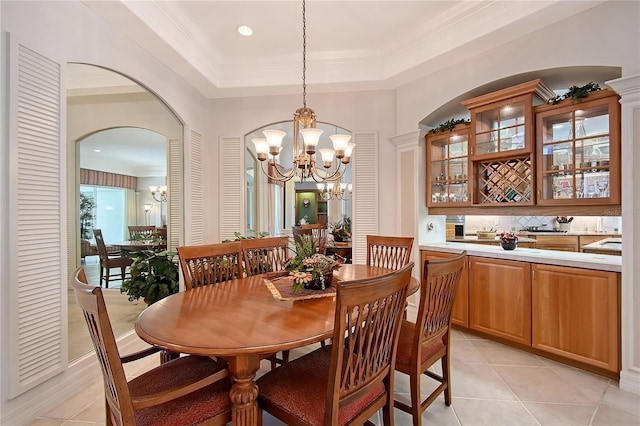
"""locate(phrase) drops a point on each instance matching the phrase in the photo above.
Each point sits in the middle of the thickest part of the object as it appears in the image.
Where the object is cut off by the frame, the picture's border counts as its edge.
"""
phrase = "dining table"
(241, 321)
(138, 245)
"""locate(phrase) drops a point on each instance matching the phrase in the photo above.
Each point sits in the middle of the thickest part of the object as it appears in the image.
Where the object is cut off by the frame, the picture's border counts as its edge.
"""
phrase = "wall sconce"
(147, 208)
(160, 195)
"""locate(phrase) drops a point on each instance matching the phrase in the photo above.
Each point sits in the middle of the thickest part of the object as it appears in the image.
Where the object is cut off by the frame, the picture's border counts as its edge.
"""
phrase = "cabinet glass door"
(449, 165)
(500, 129)
(575, 154)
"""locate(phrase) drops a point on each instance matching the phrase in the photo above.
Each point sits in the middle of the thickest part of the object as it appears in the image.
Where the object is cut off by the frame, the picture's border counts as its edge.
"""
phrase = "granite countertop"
(475, 239)
(578, 233)
(613, 245)
(601, 262)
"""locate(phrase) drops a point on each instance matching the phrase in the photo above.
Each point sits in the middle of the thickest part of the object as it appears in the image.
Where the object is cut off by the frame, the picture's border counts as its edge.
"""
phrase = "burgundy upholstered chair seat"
(405, 345)
(191, 409)
(300, 387)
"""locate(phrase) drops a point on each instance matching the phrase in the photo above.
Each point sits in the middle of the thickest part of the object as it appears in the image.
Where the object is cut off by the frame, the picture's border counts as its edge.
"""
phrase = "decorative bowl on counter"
(509, 245)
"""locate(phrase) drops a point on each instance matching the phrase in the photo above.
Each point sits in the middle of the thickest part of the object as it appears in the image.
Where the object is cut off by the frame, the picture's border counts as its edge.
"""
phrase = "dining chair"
(423, 343)
(107, 261)
(318, 231)
(188, 390)
(265, 254)
(145, 231)
(388, 252)
(210, 263)
(349, 381)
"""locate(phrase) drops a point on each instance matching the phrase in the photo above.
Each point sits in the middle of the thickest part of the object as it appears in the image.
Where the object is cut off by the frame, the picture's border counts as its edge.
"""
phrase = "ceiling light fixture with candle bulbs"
(334, 161)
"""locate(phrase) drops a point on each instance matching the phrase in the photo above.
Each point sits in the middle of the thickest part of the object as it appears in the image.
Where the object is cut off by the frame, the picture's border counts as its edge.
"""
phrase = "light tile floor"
(492, 384)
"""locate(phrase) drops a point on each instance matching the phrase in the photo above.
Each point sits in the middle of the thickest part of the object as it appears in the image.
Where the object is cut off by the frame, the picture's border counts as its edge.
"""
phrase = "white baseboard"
(630, 381)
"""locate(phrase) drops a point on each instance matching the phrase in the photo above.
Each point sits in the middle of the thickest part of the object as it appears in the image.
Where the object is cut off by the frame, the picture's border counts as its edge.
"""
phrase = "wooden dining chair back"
(319, 233)
(426, 341)
(265, 254)
(210, 263)
(388, 252)
(108, 262)
(156, 396)
(141, 231)
(355, 373)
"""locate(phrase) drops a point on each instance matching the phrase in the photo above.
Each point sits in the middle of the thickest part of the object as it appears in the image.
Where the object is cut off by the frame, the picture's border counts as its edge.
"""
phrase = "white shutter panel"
(37, 228)
(231, 186)
(174, 187)
(365, 192)
(196, 191)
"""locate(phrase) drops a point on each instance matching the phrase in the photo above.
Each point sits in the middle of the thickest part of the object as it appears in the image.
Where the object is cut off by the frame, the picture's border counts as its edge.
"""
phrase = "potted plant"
(308, 268)
(154, 275)
(341, 230)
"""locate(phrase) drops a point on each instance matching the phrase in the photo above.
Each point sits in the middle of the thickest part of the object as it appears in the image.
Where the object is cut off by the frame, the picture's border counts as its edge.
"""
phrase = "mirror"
(119, 135)
(274, 208)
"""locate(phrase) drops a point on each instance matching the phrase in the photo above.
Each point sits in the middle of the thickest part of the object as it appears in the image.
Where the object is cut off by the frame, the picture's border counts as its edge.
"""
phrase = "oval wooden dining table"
(240, 321)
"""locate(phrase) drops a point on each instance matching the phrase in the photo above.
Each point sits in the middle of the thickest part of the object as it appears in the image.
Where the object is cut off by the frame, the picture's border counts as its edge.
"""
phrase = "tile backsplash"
(612, 224)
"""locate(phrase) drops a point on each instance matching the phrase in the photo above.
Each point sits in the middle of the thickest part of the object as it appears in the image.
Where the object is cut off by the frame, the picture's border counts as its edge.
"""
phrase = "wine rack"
(506, 181)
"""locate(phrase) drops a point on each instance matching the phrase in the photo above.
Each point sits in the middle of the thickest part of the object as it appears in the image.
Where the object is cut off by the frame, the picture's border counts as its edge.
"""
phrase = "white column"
(629, 90)
(410, 199)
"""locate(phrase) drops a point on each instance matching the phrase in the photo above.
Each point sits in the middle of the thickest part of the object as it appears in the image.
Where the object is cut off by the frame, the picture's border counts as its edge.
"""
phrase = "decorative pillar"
(629, 90)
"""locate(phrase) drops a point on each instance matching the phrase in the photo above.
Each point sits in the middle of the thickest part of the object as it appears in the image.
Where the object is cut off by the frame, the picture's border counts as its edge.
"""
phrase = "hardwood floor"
(122, 313)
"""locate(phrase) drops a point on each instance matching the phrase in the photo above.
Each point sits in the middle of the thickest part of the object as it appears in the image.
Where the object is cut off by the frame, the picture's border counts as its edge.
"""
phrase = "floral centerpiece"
(310, 269)
(508, 240)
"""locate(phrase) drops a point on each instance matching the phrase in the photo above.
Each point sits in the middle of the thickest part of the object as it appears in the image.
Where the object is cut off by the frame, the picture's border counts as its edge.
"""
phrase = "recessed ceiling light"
(245, 30)
(97, 150)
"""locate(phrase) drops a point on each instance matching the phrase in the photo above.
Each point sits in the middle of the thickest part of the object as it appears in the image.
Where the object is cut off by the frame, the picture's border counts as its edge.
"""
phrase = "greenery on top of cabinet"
(448, 125)
(577, 93)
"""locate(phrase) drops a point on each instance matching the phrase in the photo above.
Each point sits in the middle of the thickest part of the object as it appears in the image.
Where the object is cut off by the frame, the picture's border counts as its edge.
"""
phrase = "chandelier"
(335, 191)
(334, 161)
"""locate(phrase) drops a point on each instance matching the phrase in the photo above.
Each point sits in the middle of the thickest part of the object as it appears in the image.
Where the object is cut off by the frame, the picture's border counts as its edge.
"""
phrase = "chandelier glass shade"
(307, 158)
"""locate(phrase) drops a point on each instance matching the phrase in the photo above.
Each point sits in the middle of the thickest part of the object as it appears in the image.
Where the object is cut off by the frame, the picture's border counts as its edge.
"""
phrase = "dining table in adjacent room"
(242, 321)
(138, 245)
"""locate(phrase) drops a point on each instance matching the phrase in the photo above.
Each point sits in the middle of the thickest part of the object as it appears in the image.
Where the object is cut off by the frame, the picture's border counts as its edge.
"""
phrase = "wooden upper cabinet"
(448, 167)
(578, 147)
(501, 144)
(502, 121)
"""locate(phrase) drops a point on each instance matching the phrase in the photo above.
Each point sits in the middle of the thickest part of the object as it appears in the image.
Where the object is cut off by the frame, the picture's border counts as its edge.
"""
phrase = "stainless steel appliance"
(458, 225)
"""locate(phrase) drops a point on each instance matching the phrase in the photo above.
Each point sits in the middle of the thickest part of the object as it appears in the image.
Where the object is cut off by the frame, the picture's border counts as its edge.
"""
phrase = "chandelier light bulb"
(340, 142)
(327, 156)
(262, 148)
(311, 137)
(349, 149)
(274, 140)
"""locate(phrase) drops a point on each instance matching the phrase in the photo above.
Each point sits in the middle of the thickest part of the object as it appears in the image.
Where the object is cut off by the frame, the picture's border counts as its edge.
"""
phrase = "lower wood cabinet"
(558, 242)
(576, 314)
(500, 298)
(460, 314)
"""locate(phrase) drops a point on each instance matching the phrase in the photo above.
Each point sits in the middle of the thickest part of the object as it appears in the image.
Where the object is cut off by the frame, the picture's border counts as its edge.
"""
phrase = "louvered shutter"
(195, 223)
(231, 187)
(174, 187)
(37, 223)
(365, 192)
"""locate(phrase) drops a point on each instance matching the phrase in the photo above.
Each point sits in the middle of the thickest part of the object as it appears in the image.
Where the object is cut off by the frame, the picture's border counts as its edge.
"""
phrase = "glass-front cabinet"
(502, 121)
(578, 147)
(448, 167)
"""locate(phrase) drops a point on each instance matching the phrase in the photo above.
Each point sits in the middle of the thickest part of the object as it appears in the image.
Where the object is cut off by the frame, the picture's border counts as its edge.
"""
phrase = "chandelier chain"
(304, 55)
